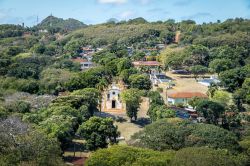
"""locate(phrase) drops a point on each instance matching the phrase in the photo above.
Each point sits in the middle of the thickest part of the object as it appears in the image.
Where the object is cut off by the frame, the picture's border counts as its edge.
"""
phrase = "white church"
(112, 100)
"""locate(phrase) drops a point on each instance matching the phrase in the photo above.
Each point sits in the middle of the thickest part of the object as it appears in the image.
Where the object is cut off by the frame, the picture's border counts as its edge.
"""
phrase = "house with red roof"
(183, 97)
(149, 66)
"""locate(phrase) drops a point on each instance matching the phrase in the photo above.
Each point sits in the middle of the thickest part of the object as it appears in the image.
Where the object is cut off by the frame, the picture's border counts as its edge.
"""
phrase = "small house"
(183, 97)
(85, 64)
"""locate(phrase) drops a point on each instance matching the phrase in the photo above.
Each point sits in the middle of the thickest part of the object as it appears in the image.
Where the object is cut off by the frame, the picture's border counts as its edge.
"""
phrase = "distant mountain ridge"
(55, 22)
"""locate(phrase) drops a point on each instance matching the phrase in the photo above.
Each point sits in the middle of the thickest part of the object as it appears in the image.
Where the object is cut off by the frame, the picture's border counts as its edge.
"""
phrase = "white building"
(85, 63)
(112, 100)
(183, 97)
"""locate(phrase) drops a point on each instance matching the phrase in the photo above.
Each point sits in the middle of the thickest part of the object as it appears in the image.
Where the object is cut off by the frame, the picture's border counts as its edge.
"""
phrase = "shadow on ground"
(79, 161)
(142, 122)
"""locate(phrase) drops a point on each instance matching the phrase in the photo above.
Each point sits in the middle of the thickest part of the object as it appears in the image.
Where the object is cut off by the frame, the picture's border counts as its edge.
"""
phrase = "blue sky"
(99, 11)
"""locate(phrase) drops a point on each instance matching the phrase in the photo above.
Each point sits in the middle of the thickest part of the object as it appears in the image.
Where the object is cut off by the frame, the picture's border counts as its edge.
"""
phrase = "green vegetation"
(97, 131)
(166, 134)
(20, 144)
(210, 110)
(132, 99)
(46, 100)
(125, 155)
(54, 24)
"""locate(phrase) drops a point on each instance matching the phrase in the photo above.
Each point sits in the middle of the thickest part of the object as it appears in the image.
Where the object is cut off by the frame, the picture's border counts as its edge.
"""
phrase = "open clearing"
(186, 84)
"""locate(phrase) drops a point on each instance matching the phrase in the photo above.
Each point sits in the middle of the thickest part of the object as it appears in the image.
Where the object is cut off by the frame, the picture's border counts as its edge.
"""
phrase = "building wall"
(177, 100)
(88, 65)
(113, 94)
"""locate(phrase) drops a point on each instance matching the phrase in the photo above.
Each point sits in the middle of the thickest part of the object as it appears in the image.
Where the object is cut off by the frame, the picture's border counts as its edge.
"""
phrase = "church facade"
(112, 100)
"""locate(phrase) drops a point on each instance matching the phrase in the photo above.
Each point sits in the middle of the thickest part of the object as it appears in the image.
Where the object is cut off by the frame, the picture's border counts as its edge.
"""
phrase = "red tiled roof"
(79, 60)
(146, 63)
(187, 95)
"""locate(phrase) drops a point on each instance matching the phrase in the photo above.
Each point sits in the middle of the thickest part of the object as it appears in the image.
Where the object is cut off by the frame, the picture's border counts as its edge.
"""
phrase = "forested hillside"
(46, 100)
(69, 24)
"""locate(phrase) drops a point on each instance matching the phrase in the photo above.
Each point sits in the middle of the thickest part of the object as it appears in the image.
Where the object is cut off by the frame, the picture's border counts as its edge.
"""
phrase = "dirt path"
(127, 129)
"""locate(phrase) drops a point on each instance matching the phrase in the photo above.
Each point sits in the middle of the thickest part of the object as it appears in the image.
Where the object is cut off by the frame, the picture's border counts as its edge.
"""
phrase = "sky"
(99, 11)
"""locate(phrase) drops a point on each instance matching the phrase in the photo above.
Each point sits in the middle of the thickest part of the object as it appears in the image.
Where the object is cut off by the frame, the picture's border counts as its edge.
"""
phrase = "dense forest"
(46, 100)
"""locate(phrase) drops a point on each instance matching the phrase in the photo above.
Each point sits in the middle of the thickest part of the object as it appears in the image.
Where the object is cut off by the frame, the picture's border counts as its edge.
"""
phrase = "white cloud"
(112, 1)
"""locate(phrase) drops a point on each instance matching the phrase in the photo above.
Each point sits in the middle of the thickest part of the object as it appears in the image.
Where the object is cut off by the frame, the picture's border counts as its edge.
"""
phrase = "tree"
(167, 36)
(111, 67)
(73, 46)
(238, 98)
(157, 112)
(210, 110)
(173, 58)
(138, 56)
(175, 134)
(59, 126)
(140, 81)
(85, 113)
(212, 89)
(102, 85)
(30, 146)
(232, 55)
(126, 155)
(194, 156)
(155, 98)
(132, 98)
(139, 20)
(66, 111)
(21, 144)
(91, 97)
(222, 97)
(123, 64)
(220, 65)
(194, 101)
(124, 75)
(39, 48)
(198, 55)
(242, 95)
(234, 78)
(97, 132)
(198, 70)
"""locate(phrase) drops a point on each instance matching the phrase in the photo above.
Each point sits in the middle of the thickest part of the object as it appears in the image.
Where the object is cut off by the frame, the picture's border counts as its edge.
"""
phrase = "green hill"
(54, 22)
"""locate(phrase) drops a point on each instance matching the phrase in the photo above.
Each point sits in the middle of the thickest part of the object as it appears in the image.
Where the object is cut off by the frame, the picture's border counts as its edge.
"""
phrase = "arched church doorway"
(113, 104)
